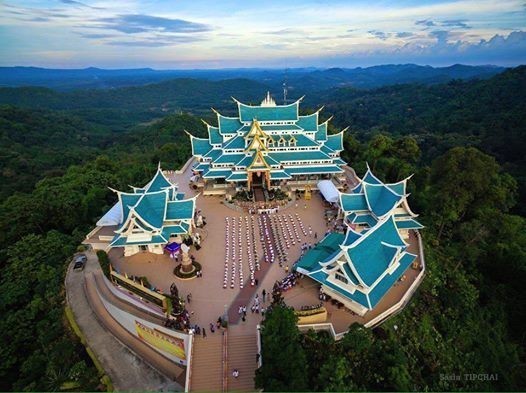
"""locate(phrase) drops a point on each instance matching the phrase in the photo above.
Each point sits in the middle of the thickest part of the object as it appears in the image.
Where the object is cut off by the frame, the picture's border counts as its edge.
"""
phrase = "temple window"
(341, 278)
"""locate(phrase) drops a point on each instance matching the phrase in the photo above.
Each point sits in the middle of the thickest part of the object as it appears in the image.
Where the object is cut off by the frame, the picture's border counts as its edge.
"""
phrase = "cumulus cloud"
(443, 48)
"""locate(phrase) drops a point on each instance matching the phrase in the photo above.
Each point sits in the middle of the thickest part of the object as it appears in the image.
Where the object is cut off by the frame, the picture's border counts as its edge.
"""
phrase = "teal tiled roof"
(214, 136)
(180, 210)
(228, 125)
(380, 198)
(268, 113)
(228, 159)
(214, 153)
(119, 241)
(278, 175)
(200, 146)
(387, 282)
(364, 218)
(353, 202)
(374, 251)
(299, 156)
(175, 230)
(335, 142)
(321, 251)
(371, 259)
(158, 183)
(151, 208)
(309, 122)
(279, 127)
(351, 237)
(271, 161)
(305, 141)
(237, 142)
(127, 201)
(321, 134)
(217, 173)
(313, 170)
(237, 177)
(245, 161)
(327, 150)
(398, 188)
(202, 166)
(408, 224)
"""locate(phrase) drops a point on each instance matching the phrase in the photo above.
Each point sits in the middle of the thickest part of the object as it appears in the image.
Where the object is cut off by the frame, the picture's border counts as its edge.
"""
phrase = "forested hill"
(488, 114)
(303, 79)
(195, 95)
(61, 151)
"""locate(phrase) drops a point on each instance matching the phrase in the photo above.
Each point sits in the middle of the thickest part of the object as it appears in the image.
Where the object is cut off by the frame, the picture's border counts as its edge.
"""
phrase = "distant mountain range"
(298, 80)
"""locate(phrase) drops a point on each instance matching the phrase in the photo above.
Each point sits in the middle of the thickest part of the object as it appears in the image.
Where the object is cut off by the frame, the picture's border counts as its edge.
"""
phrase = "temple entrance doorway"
(259, 179)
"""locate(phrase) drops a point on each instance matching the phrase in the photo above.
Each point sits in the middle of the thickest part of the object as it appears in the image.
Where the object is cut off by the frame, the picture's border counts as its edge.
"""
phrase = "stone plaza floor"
(210, 300)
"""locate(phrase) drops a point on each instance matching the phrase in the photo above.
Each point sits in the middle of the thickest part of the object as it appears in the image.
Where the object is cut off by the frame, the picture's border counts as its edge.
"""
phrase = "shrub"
(104, 262)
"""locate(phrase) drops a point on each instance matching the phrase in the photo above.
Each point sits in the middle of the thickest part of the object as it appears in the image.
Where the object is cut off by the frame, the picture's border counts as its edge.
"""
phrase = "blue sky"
(218, 34)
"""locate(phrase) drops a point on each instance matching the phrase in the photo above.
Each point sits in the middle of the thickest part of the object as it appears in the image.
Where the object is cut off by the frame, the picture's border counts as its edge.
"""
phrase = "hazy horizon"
(296, 34)
(307, 67)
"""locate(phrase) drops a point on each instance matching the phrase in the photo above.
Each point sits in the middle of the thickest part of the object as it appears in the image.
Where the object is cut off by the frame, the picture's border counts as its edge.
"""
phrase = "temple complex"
(267, 146)
(339, 249)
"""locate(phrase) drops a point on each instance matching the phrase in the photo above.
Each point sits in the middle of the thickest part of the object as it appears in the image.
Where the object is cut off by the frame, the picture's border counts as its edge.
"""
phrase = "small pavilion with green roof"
(268, 145)
(149, 217)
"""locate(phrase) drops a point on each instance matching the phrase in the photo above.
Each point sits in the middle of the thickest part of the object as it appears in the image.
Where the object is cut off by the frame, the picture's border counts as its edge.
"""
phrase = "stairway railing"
(224, 385)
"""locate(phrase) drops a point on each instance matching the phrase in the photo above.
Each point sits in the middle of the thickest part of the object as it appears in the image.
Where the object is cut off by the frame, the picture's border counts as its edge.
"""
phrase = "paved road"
(126, 370)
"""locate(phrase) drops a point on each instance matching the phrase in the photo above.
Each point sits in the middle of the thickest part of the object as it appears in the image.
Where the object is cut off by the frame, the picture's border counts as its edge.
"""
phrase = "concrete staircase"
(207, 363)
(242, 350)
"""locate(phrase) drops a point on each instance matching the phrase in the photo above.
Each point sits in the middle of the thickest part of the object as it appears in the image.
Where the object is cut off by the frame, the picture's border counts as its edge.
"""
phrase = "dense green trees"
(283, 358)
(39, 231)
(38, 353)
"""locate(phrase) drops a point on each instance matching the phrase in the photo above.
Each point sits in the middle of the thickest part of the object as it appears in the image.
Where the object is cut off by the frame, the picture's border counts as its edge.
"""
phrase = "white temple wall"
(351, 305)
(155, 248)
(130, 250)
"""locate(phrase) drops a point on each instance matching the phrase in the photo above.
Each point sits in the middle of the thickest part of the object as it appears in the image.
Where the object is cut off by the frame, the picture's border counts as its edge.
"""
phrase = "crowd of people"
(198, 330)
(312, 307)
(279, 233)
(234, 251)
(288, 282)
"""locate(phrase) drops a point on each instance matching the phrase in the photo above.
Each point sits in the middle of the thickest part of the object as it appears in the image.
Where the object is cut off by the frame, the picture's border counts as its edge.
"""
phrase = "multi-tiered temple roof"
(371, 200)
(267, 137)
(365, 265)
(149, 215)
(362, 265)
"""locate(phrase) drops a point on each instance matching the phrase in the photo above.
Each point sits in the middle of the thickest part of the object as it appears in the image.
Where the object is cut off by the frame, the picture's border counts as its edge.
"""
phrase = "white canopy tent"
(329, 191)
(112, 217)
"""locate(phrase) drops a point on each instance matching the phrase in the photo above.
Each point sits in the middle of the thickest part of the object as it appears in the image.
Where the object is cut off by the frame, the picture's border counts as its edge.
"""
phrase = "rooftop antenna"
(285, 93)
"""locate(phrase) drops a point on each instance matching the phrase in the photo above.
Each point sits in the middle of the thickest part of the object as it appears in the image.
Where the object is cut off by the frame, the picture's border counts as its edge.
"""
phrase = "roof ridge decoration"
(328, 120)
(268, 101)
(256, 130)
